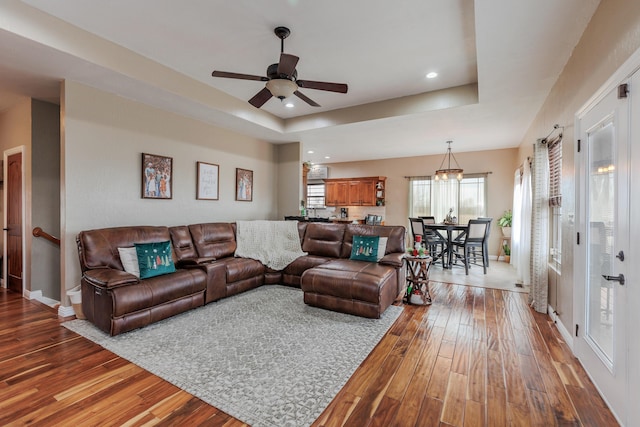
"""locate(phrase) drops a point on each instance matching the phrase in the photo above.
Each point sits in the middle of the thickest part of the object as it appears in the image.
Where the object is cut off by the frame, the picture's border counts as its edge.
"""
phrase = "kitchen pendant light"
(445, 173)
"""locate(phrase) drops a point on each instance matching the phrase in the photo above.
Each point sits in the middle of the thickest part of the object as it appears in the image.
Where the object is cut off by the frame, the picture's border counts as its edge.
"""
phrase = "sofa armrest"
(109, 278)
(393, 259)
(188, 262)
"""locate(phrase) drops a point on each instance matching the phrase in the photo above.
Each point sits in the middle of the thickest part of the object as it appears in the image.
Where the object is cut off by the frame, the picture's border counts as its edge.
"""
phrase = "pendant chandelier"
(445, 173)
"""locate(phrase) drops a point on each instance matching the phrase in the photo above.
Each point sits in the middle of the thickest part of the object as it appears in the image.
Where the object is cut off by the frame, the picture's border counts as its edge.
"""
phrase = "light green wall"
(45, 195)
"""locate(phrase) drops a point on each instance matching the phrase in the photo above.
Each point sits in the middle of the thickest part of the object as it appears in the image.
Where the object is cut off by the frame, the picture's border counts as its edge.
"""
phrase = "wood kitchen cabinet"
(336, 193)
(354, 191)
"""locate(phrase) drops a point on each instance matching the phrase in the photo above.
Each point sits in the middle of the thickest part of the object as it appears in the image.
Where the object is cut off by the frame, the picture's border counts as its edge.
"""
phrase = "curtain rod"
(429, 176)
(546, 138)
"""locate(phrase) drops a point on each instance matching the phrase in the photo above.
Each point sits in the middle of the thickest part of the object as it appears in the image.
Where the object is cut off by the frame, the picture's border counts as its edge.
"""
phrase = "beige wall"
(610, 38)
(102, 140)
(501, 164)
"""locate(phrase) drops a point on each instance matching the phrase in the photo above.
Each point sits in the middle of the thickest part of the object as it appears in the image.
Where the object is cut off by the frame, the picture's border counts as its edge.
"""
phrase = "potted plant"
(507, 253)
(505, 222)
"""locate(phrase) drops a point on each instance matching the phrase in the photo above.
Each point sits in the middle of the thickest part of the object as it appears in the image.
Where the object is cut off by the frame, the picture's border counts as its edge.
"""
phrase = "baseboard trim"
(66, 311)
(31, 294)
(564, 332)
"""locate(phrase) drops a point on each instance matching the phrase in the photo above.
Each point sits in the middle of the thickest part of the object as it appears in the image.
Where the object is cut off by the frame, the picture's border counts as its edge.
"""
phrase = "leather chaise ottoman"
(354, 287)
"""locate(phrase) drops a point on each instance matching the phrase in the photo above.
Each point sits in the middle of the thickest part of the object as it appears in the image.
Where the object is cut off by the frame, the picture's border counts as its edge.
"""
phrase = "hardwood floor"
(476, 357)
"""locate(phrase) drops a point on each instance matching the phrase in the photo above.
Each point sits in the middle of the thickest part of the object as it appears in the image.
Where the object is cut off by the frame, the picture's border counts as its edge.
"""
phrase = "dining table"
(446, 233)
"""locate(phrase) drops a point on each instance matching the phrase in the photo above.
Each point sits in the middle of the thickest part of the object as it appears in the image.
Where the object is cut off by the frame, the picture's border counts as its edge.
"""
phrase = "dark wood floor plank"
(466, 360)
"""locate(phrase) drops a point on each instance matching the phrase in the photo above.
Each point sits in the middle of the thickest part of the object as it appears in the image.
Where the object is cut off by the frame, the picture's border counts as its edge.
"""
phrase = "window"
(467, 197)
(315, 196)
(419, 196)
(555, 202)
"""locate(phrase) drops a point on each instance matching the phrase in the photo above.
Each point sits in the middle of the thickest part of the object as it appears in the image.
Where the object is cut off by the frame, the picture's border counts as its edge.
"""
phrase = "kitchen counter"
(347, 220)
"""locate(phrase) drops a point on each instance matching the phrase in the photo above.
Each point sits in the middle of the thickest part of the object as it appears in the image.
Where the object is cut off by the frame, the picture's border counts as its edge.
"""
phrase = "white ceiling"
(162, 52)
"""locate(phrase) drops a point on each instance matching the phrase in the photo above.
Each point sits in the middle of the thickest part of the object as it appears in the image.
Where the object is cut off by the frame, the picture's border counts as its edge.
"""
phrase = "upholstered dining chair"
(474, 239)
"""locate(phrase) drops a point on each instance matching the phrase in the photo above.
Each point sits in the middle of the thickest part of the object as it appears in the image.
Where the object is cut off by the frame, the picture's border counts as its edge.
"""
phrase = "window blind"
(555, 172)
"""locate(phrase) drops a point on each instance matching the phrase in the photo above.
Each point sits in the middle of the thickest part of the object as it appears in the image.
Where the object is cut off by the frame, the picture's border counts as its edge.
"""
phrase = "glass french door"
(601, 289)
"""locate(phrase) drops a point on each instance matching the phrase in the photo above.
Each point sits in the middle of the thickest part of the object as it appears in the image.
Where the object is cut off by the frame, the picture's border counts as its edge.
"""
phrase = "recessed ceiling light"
(432, 75)
(327, 157)
(289, 105)
(310, 152)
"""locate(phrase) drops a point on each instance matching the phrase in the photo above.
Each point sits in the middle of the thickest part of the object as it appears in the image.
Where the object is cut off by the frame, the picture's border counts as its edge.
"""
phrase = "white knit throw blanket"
(276, 244)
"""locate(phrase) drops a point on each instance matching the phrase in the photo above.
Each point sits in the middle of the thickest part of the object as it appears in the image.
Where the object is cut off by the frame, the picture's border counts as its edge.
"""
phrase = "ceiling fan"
(282, 78)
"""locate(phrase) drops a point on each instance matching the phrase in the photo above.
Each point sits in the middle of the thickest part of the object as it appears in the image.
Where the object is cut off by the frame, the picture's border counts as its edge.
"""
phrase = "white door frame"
(622, 75)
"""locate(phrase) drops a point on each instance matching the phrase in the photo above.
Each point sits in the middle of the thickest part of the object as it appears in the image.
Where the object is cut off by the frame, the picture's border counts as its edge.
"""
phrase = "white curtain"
(445, 196)
(538, 297)
(521, 224)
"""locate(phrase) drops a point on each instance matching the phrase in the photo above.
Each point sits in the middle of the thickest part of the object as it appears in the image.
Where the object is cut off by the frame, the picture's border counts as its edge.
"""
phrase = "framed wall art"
(208, 181)
(157, 176)
(244, 185)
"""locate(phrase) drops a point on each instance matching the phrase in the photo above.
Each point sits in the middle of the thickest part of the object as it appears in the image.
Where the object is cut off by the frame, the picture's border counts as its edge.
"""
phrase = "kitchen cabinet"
(368, 191)
(362, 193)
(336, 193)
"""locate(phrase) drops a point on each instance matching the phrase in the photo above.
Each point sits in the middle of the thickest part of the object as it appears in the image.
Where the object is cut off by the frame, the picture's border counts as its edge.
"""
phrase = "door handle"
(619, 278)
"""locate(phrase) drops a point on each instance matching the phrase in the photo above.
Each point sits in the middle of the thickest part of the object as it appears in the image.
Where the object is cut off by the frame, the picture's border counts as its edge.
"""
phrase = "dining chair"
(431, 237)
(486, 242)
(417, 227)
(432, 240)
(475, 238)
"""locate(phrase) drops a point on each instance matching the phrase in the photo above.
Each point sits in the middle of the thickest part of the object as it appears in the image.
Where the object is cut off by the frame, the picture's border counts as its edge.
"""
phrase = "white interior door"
(602, 262)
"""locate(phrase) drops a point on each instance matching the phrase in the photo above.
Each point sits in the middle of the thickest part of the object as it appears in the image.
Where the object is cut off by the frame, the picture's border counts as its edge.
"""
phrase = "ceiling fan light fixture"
(281, 88)
(445, 173)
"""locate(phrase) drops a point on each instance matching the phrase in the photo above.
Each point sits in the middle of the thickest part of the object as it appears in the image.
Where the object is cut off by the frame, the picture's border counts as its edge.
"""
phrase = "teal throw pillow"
(154, 259)
(368, 248)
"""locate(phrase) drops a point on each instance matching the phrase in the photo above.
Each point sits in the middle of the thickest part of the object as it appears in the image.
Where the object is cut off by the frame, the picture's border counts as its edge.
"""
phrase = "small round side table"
(418, 277)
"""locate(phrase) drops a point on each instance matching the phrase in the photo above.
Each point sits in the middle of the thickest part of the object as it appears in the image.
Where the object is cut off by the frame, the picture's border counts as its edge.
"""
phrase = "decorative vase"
(506, 231)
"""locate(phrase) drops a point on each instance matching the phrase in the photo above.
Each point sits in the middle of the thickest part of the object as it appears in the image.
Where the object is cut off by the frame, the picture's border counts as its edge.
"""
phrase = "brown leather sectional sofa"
(206, 270)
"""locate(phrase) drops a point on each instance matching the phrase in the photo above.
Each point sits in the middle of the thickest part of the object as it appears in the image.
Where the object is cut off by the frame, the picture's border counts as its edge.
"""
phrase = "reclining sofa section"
(206, 270)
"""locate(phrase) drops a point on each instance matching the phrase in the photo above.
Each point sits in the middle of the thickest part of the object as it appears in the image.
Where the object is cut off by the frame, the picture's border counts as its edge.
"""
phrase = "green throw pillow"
(154, 259)
(368, 248)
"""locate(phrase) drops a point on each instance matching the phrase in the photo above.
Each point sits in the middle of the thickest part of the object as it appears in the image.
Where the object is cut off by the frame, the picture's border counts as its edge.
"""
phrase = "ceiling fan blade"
(239, 76)
(331, 87)
(306, 99)
(287, 64)
(260, 98)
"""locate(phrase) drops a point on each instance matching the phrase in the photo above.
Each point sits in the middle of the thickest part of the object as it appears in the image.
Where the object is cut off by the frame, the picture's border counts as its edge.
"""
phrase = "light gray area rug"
(263, 356)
